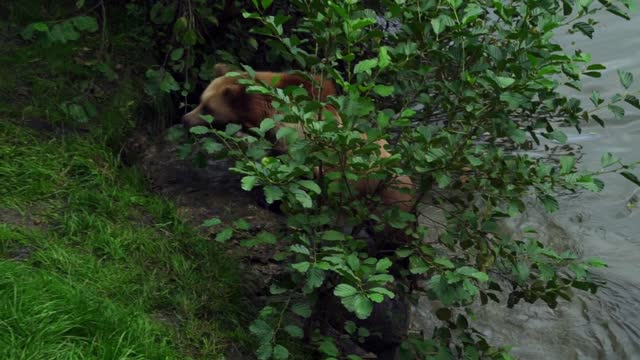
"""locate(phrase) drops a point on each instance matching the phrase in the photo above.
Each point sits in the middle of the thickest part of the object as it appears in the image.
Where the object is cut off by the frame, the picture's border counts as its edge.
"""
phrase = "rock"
(388, 324)
(204, 193)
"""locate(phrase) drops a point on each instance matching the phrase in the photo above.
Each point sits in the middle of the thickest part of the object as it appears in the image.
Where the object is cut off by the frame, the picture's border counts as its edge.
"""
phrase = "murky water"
(603, 225)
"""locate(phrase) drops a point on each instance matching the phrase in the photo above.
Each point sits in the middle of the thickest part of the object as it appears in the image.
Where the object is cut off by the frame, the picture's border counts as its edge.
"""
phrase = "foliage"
(459, 89)
(492, 84)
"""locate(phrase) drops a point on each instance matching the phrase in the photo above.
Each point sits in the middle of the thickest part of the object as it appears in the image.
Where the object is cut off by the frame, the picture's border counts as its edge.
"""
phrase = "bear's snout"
(190, 120)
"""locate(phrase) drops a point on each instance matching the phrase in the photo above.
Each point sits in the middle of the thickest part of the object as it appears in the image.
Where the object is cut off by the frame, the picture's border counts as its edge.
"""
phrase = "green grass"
(92, 264)
(110, 272)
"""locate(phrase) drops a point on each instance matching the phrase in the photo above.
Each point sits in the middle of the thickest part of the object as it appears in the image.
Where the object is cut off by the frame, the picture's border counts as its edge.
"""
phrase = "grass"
(92, 264)
(111, 271)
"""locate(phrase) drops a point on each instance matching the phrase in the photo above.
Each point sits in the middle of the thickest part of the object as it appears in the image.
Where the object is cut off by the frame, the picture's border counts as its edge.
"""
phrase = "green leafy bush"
(459, 90)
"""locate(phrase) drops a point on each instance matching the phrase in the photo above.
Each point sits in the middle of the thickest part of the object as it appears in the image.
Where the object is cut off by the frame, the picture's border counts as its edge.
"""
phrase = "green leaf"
(558, 136)
(315, 278)
(224, 235)
(199, 130)
(300, 249)
(383, 57)
(596, 99)
(518, 135)
(40, 26)
(85, 23)
(294, 331)
(248, 182)
(327, 347)
(260, 328)
(279, 351)
(438, 24)
(301, 309)
(597, 263)
(184, 150)
(474, 160)
(617, 11)
(310, 185)
(353, 262)
(403, 253)
(375, 297)
(471, 12)
(522, 272)
(626, 78)
(584, 28)
(231, 129)
(272, 193)
(617, 111)
(289, 133)
(264, 351)
(211, 146)
(360, 23)
(350, 327)
(189, 38)
(303, 198)
(480, 276)
(383, 278)
(504, 82)
(78, 113)
(266, 3)
(363, 307)
(365, 66)
(631, 177)
(417, 265)
(176, 54)
(383, 291)
(515, 100)
(274, 289)
(455, 3)
(211, 222)
(550, 203)
(566, 164)
(267, 124)
(175, 133)
(608, 159)
(332, 235)
(301, 266)
(383, 265)
(383, 90)
(442, 179)
(633, 101)
(168, 83)
(444, 262)
(344, 290)
(242, 224)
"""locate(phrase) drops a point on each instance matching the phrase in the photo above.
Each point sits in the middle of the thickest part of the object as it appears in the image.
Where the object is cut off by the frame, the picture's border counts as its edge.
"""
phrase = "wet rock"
(388, 324)
(204, 193)
(200, 193)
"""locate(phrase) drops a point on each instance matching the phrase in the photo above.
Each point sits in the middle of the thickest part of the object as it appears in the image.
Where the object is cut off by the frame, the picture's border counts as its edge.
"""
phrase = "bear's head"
(228, 102)
(223, 99)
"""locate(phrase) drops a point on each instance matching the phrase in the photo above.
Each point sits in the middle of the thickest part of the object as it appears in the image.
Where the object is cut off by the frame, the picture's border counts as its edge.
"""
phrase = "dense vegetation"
(457, 88)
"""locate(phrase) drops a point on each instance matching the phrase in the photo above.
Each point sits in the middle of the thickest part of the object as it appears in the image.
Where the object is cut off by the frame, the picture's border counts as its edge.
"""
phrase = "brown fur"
(228, 102)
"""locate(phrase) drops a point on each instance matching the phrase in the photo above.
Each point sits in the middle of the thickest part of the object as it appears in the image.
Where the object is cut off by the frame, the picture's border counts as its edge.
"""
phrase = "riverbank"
(93, 262)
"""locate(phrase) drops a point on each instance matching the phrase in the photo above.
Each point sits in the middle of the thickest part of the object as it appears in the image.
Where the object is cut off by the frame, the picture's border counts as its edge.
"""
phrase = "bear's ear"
(221, 69)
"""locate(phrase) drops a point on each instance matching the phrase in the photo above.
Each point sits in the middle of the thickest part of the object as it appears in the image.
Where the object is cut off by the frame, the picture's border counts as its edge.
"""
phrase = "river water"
(604, 225)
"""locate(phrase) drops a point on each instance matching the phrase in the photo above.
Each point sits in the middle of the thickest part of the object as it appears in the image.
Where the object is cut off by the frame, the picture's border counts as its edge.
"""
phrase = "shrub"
(459, 90)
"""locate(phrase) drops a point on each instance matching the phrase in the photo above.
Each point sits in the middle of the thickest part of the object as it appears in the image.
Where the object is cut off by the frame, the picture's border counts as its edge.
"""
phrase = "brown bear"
(228, 102)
